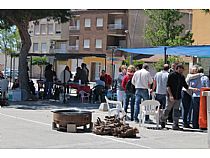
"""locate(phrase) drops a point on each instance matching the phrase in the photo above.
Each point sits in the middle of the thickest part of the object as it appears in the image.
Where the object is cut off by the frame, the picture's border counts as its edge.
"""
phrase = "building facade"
(98, 31)
(94, 31)
(48, 36)
(201, 33)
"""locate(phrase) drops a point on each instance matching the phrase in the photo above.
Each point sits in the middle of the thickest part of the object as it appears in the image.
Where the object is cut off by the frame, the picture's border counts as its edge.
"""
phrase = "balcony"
(115, 26)
(73, 48)
(73, 28)
(116, 29)
(58, 51)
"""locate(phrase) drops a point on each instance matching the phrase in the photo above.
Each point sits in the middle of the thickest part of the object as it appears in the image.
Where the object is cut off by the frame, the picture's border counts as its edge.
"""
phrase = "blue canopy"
(202, 51)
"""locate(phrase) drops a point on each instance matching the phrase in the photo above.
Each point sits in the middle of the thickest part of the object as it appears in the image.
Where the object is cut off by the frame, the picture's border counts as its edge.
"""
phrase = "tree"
(163, 28)
(40, 61)
(21, 19)
(171, 59)
(9, 41)
(135, 62)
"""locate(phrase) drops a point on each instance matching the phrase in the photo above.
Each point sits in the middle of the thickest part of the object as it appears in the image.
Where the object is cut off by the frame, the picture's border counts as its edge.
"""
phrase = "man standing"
(160, 81)
(176, 82)
(142, 81)
(85, 74)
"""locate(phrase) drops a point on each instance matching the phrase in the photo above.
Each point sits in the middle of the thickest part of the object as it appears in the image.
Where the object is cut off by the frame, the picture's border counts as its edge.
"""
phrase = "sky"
(105, 4)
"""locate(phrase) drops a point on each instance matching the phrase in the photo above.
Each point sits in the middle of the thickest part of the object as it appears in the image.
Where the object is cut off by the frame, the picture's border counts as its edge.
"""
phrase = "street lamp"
(129, 38)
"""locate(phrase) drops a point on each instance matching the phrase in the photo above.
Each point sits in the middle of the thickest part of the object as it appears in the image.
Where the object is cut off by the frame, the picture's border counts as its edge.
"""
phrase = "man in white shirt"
(142, 81)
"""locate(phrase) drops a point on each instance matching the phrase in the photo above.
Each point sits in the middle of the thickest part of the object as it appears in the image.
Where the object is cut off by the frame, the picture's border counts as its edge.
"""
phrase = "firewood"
(112, 125)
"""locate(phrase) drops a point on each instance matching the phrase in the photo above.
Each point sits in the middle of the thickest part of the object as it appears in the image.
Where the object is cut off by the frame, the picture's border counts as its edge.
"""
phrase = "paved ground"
(27, 125)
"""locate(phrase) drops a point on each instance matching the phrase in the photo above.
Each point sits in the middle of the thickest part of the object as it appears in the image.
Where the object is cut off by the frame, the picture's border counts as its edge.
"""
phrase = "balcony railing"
(58, 51)
(119, 46)
(72, 28)
(71, 48)
(115, 26)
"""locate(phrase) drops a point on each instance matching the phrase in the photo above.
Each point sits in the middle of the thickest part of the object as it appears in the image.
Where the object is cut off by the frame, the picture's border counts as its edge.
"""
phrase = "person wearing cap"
(176, 81)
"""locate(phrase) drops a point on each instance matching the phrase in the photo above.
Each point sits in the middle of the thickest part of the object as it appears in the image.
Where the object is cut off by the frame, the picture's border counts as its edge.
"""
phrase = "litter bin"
(207, 95)
(203, 109)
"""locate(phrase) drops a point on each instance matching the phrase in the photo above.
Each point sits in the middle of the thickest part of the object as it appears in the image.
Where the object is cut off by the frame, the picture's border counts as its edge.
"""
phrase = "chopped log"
(115, 127)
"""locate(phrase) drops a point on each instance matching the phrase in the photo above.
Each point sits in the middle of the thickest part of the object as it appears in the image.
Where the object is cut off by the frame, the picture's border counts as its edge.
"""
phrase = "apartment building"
(93, 31)
(98, 31)
(48, 36)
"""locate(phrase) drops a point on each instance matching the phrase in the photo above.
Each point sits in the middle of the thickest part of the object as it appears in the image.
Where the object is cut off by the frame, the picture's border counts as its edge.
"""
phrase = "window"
(44, 48)
(86, 43)
(35, 47)
(50, 29)
(98, 43)
(36, 29)
(57, 28)
(99, 22)
(118, 23)
(43, 29)
(87, 23)
(63, 46)
(78, 24)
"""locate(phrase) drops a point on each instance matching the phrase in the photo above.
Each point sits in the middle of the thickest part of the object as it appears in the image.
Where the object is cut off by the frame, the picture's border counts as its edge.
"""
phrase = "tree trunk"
(23, 66)
(5, 63)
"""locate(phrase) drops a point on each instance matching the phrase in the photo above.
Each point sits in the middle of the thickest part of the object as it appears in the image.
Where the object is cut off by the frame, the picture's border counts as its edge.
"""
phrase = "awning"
(202, 51)
(65, 56)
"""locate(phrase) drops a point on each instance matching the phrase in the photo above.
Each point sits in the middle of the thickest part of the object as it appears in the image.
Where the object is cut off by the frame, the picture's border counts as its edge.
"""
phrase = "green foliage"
(163, 29)
(135, 62)
(171, 59)
(159, 65)
(39, 61)
(10, 17)
(9, 40)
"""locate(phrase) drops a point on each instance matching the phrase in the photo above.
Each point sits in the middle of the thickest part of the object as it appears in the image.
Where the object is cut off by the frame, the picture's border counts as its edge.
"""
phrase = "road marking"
(121, 141)
(20, 118)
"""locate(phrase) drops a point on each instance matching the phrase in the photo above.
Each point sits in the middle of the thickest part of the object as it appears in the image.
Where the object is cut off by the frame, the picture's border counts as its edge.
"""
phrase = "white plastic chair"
(117, 109)
(149, 107)
(84, 95)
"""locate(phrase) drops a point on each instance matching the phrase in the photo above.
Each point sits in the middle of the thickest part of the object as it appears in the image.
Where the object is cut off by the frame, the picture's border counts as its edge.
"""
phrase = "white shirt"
(161, 79)
(142, 79)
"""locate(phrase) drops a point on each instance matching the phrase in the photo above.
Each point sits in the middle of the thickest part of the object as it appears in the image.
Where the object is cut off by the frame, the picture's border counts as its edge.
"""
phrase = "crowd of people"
(135, 83)
(170, 88)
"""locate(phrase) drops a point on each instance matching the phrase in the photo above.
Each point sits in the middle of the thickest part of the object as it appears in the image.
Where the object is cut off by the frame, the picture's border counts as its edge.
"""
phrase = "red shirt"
(125, 80)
